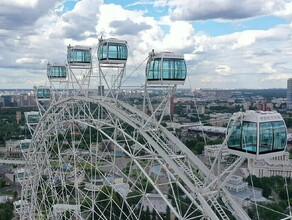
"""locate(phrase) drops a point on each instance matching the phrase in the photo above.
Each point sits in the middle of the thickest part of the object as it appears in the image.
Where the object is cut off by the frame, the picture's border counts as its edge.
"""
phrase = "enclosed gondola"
(32, 117)
(56, 72)
(166, 68)
(20, 174)
(78, 55)
(43, 93)
(24, 144)
(257, 134)
(112, 51)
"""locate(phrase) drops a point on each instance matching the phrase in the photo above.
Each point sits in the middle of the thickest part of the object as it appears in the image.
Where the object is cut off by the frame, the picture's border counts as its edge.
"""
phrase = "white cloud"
(19, 3)
(282, 76)
(180, 37)
(244, 39)
(27, 60)
(19, 14)
(257, 55)
(223, 70)
(20, 78)
(268, 69)
(160, 3)
(223, 9)
(257, 58)
(286, 12)
(79, 23)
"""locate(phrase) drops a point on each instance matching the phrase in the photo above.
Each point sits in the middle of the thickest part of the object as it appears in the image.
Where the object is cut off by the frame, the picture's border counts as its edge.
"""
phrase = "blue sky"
(217, 28)
(227, 44)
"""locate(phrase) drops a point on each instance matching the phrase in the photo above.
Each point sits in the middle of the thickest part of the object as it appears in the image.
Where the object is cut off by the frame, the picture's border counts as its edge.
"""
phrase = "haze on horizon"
(227, 44)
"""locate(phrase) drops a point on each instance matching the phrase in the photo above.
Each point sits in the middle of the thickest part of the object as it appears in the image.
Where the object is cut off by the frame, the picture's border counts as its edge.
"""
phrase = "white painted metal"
(142, 146)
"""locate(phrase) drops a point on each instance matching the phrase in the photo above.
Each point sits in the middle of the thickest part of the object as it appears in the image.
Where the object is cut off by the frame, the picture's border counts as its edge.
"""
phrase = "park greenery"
(9, 128)
(197, 143)
(6, 209)
(277, 190)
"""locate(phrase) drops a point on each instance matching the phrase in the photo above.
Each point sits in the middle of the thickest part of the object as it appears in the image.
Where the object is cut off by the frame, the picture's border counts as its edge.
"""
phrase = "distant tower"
(289, 94)
(171, 105)
(169, 108)
(18, 116)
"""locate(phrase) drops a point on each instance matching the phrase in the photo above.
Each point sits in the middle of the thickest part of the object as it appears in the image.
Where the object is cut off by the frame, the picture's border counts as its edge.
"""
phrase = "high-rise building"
(101, 90)
(169, 109)
(289, 94)
(171, 105)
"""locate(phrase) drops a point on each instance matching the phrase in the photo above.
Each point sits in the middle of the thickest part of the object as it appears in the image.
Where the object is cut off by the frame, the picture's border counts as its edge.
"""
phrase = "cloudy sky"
(226, 43)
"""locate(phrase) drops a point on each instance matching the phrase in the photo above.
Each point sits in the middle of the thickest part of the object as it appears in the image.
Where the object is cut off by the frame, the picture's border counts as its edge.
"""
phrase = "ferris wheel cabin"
(166, 68)
(78, 55)
(32, 118)
(24, 144)
(112, 51)
(43, 93)
(56, 72)
(257, 135)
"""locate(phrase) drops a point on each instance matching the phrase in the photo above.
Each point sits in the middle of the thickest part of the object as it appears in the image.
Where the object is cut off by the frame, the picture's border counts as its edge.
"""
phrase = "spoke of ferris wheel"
(108, 86)
(223, 145)
(163, 102)
(170, 93)
(226, 174)
(169, 161)
(120, 82)
(146, 175)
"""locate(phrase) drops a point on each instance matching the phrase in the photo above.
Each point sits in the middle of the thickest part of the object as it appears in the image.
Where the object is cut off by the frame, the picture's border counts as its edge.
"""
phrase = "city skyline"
(227, 44)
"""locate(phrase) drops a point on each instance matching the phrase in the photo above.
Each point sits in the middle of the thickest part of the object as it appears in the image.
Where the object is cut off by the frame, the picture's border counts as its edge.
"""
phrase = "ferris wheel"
(93, 156)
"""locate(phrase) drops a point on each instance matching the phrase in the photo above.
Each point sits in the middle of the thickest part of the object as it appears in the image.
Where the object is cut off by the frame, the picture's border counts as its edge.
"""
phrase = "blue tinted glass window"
(249, 136)
(166, 68)
(123, 51)
(113, 52)
(266, 137)
(154, 69)
(177, 68)
(25, 146)
(150, 69)
(174, 69)
(280, 135)
(58, 71)
(87, 56)
(103, 52)
(180, 69)
(40, 93)
(157, 69)
(43, 93)
(234, 140)
(79, 56)
(33, 118)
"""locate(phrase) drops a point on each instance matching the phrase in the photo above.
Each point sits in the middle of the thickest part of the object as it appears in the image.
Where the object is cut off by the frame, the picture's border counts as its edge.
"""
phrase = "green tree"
(6, 211)
(269, 211)
(2, 183)
(199, 147)
(267, 191)
(134, 197)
